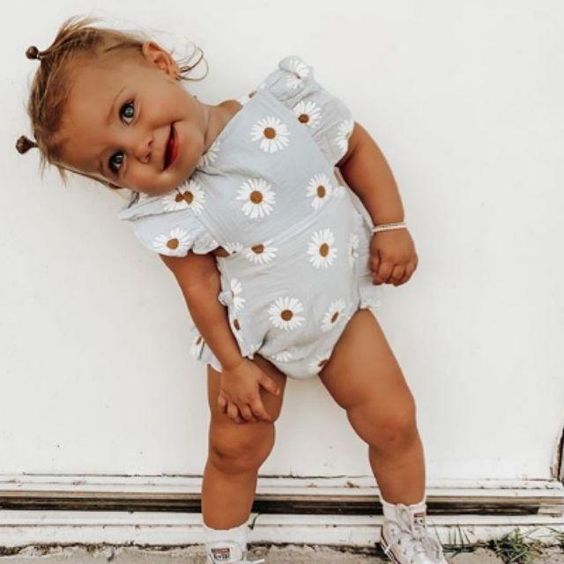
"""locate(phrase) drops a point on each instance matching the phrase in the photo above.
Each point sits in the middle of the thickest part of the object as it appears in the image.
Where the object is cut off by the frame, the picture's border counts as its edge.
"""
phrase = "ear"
(155, 55)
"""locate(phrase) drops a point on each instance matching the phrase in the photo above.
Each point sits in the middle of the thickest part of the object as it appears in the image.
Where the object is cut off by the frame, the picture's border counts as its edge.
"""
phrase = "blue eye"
(127, 111)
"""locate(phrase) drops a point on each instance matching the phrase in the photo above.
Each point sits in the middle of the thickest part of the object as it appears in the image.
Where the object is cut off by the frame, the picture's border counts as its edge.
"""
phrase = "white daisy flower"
(283, 356)
(318, 363)
(174, 201)
(233, 247)
(333, 315)
(236, 291)
(261, 253)
(308, 112)
(300, 71)
(272, 133)
(321, 250)
(353, 248)
(176, 243)
(344, 131)
(194, 196)
(210, 155)
(319, 188)
(283, 313)
(258, 196)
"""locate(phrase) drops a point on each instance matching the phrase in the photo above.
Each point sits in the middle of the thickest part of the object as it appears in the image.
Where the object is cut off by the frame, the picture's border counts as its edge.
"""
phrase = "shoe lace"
(245, 561)
(422, 542)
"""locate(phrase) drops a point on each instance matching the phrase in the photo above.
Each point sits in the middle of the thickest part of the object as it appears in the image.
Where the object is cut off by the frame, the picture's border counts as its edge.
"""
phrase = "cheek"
(194, 143)
(140, 177)
(190, 152)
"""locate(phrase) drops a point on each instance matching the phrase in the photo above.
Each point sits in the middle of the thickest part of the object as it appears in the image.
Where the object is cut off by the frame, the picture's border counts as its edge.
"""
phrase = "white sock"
(218, 539)
(390, 508)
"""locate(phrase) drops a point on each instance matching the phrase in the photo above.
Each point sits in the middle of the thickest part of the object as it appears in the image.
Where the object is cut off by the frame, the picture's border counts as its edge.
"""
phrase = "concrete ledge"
(20, 528)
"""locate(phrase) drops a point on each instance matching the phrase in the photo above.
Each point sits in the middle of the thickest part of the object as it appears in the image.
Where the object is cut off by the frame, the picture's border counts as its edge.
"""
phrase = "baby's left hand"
(392, 257)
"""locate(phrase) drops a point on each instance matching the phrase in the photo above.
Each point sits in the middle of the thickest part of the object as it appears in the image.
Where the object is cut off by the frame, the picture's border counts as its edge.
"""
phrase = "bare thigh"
(363, 371)
(272, 403)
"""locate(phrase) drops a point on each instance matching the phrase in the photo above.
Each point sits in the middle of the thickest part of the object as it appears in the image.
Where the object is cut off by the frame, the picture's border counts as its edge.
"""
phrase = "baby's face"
(120, 116)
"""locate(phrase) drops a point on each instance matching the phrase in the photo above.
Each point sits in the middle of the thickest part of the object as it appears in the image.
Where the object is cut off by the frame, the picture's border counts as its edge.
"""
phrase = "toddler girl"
(280, 219)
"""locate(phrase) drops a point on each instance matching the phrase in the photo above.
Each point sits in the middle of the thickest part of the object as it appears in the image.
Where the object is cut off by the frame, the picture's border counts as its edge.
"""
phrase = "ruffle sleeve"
(326, 116)
(166, 225)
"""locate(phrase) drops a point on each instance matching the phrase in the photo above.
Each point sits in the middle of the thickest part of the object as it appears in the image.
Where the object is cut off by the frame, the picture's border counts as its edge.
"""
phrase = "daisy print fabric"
(322, 250)
(325, 115)
(319, 189)
(272, 134)
(259, 198)
(296, 241)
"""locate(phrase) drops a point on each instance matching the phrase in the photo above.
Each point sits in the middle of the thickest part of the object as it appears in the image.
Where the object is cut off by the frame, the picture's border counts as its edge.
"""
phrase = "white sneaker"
(406, 539)
(228, 553)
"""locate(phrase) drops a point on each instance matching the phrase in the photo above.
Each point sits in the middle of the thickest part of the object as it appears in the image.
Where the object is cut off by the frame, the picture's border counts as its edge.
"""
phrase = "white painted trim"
(22, 528)
(21, 484)
(547, 495)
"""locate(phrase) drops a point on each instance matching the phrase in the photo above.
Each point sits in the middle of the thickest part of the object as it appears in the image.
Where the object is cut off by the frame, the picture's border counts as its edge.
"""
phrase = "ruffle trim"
(289, 79)
(141, 205)
(200, 350)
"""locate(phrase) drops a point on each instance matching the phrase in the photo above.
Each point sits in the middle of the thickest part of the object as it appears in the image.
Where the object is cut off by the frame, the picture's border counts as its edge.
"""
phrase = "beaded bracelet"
(388, 226)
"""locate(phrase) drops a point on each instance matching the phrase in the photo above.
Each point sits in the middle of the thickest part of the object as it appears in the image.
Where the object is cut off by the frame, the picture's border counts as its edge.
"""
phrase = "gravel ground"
(273, 554)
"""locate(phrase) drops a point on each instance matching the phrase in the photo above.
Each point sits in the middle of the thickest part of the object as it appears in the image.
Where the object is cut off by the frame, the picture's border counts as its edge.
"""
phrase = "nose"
(143, 147)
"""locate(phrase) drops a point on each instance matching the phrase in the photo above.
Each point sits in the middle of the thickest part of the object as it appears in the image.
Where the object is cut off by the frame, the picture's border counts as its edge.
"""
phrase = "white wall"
(465, 99)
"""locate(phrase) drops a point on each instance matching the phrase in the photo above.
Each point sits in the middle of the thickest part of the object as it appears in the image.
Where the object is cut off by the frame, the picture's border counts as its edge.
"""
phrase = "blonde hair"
(51, 85)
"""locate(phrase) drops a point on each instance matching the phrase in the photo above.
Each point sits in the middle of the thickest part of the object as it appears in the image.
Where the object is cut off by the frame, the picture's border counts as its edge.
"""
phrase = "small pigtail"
(23, 144)
(33, 52)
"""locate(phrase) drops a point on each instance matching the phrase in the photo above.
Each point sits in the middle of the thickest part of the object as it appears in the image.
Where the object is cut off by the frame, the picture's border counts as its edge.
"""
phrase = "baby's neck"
(216, 118)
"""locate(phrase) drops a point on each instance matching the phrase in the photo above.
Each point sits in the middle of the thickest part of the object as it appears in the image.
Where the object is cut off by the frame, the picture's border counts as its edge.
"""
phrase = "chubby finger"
(409, 270)
(221, 402)
(397, 274)
(383, 273)
(269, 385)
(233, 412)
(258, 409)
(247, 414)
(375, 260)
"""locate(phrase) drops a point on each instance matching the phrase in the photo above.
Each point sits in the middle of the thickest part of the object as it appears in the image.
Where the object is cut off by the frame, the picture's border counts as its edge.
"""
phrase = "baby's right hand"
(239, 392)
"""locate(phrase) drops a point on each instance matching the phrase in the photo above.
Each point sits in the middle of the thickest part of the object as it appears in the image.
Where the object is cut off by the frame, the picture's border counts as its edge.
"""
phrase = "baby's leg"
(236, 452)
(365, 379)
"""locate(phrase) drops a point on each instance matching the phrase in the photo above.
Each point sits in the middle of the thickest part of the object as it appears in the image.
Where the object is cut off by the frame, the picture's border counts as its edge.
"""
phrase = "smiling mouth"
(171, 151)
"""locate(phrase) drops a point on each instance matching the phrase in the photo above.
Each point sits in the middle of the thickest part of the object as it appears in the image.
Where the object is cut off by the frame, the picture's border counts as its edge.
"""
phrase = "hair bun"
(32, 52)
(23, 144)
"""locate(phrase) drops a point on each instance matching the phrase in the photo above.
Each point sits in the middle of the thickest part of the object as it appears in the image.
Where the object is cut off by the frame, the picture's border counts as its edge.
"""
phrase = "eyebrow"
(111, 112)
(108, 118)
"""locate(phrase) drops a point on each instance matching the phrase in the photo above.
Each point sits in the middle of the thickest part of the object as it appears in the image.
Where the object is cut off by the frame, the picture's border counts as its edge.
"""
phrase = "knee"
(387, 428)
(235, 448)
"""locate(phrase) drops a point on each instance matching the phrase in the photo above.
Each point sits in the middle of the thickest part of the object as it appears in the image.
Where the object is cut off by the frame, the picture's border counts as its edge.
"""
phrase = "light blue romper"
(267, 190)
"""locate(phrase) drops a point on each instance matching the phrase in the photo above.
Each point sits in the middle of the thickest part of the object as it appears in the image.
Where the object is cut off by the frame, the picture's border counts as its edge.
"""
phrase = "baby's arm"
(199, 280)
(367, 173)
(241, 379)
(393, 257)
